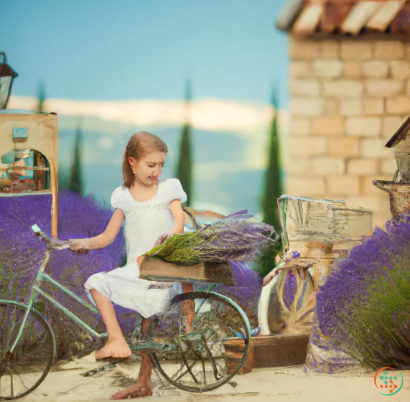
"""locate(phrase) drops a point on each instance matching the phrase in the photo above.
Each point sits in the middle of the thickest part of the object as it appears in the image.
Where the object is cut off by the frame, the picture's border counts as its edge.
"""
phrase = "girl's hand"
(171, 233)
(164, 237)
(79, 246)
(161, 239)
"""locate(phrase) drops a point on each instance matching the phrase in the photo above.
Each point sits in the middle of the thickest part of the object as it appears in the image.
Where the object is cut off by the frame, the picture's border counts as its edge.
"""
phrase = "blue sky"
(134, 49)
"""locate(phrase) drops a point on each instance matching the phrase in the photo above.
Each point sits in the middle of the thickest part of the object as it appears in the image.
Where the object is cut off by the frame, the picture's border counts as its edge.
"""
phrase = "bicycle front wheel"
(23, 368)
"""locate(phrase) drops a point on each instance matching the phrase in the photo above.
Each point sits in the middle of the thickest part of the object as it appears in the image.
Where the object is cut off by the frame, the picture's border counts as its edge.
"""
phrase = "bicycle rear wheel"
(23, 369)
(198, 360)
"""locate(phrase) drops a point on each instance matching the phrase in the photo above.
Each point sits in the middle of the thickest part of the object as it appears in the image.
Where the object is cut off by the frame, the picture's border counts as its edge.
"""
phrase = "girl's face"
(148, 168)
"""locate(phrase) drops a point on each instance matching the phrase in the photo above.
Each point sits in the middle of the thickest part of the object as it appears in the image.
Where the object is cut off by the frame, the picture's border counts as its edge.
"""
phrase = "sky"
(132, 49)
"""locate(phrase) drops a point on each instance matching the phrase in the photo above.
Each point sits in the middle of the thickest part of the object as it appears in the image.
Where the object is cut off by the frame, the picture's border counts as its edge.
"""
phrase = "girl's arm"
(104, 239)
(179, 216)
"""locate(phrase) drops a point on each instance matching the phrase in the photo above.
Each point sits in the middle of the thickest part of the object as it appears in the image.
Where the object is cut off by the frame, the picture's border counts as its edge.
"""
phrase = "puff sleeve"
(118, 199)
(176, 192)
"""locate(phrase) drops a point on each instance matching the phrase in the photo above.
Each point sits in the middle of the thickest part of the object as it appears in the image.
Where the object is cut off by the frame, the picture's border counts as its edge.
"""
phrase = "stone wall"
(348, 98)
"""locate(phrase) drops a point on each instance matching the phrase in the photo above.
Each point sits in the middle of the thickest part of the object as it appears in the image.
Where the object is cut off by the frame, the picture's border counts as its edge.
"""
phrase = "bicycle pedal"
(113, 360)
(92, 372)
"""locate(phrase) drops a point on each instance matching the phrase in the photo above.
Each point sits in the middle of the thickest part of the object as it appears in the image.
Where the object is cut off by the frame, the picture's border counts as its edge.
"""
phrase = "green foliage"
(266, 262)
(273, 189)
(41, 97)
(76, 179)
(176, 249)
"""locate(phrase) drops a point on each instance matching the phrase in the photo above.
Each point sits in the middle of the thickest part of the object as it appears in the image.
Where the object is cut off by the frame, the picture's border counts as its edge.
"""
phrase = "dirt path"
(66, 384)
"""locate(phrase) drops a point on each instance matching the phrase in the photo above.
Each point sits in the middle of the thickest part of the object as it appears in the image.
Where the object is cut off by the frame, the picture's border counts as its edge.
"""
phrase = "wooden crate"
(157, 270)
(270, 351)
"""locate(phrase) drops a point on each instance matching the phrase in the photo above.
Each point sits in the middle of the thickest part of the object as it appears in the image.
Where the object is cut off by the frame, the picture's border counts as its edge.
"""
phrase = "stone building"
(350, 92)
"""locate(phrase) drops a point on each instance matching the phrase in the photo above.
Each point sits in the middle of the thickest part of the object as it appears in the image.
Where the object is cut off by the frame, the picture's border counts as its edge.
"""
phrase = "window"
(24, 171)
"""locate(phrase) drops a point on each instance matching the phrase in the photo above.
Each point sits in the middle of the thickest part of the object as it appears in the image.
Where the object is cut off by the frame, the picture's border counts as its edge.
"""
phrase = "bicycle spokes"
(26, 350)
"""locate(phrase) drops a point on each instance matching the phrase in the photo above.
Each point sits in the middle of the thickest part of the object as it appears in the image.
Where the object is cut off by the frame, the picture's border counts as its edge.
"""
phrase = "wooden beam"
(401, 23)
(288, 14)
(400, 134)
(308, 19)
(334, 15)
(14, 167)
(359, 15)
(338, 36)
(385, 15)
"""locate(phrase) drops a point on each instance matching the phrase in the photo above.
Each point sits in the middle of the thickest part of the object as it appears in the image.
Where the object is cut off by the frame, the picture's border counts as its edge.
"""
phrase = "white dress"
(145, 222)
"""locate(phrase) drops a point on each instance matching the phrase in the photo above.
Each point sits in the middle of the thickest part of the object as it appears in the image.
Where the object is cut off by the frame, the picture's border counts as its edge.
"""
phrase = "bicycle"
(194, 361)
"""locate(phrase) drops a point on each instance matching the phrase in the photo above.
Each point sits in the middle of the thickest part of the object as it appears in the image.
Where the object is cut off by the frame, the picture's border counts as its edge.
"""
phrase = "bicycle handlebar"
(54, 244)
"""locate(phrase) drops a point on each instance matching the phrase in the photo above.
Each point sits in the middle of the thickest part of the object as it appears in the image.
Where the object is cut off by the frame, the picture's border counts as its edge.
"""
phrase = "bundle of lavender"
(238, 237)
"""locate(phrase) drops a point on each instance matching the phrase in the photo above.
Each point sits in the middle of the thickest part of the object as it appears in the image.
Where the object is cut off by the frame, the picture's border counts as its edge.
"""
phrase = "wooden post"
(54, 192)
(233, 351)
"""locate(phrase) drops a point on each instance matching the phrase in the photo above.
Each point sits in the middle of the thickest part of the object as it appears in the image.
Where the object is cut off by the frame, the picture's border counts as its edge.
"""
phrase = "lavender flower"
(289, 290)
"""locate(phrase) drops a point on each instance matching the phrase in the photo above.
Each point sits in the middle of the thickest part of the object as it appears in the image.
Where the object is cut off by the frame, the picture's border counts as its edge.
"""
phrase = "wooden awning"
(346, 17)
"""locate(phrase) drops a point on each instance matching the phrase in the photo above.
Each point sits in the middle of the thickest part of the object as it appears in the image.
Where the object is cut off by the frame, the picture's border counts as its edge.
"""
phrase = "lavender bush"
(21, 253)
(363, 308)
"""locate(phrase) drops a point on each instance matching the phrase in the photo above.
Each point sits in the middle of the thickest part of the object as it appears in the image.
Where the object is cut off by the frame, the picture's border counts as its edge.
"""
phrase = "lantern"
(7, 74)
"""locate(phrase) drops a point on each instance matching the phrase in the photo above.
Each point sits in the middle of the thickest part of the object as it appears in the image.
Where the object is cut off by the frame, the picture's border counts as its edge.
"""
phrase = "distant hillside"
(230, 139)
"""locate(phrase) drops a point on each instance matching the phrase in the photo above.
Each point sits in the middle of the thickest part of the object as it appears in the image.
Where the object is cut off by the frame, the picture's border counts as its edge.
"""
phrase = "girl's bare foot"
(115, 347)
(138, 390)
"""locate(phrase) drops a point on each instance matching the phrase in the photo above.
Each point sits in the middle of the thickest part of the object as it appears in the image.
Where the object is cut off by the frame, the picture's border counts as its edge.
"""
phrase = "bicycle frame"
(43, 277)
(36, 289)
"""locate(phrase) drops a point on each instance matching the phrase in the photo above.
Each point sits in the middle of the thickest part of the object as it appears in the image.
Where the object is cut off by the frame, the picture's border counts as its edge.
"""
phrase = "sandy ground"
(66, 384)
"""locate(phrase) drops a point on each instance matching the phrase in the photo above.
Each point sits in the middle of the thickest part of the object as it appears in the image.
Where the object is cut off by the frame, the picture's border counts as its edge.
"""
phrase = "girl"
(150, 209)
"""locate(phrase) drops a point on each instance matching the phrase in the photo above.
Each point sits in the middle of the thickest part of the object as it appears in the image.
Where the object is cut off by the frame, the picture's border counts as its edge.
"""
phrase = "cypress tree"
(184, 165)
(41, 97)
(273, 188)
(76, 180)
